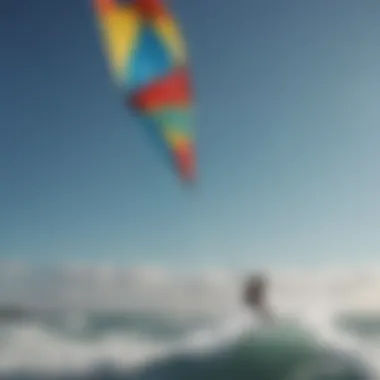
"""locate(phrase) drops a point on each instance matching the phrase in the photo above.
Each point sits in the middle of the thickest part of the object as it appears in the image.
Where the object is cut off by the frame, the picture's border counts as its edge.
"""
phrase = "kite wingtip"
(189, 182)
(104, 6)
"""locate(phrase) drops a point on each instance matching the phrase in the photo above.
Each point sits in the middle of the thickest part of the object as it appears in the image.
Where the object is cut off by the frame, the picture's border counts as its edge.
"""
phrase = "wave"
(149, 324)
(239, 348)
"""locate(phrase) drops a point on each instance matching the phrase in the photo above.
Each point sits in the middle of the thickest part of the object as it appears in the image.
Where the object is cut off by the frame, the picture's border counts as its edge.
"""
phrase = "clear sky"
(288, 135)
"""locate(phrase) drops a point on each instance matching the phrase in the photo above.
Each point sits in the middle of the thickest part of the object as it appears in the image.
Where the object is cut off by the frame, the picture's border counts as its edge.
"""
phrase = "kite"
(147, 57)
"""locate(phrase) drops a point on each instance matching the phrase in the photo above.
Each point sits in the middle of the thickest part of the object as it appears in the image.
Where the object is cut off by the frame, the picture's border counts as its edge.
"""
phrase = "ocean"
(149, 324)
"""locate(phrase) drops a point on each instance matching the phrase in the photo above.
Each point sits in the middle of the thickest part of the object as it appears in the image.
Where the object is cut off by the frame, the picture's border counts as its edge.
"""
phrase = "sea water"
(327, 327)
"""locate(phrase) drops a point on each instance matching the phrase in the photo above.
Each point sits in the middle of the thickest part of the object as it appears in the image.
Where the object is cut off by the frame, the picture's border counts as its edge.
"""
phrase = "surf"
(198, 330)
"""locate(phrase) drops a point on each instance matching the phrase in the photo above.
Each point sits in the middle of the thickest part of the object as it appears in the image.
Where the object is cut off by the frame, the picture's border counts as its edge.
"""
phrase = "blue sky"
(287, 130)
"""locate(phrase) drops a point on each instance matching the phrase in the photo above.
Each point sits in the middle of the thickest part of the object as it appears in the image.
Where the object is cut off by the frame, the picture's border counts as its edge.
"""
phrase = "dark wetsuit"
(255, 295)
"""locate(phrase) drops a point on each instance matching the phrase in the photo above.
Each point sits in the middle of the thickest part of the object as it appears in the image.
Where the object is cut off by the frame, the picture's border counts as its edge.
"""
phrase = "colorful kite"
(148, 59)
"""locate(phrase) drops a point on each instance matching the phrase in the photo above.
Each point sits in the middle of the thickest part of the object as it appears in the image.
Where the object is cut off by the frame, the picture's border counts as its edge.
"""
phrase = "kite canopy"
(147, 57)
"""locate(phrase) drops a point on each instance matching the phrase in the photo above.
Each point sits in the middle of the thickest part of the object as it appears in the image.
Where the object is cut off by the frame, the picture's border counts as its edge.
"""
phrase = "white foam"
(32, 349)
(314, 298)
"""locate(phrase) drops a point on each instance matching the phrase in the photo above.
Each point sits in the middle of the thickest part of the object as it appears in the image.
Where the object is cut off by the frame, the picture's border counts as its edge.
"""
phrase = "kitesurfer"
(255, 296)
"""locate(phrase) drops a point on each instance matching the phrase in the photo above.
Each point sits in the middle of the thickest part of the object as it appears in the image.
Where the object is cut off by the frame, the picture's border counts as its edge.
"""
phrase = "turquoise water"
(101, 342)
(281, 354)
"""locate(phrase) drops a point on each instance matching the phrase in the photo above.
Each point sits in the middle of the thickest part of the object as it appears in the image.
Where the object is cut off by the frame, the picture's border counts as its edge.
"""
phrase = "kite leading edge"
(147, 57)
